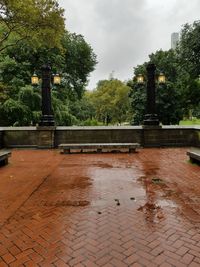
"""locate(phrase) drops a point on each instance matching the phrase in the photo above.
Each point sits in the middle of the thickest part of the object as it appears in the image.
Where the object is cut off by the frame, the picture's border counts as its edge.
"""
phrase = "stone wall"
(52, 137)
(197, 136)
(1, 139)
(97, 135)
(170, 136)
(20, 137)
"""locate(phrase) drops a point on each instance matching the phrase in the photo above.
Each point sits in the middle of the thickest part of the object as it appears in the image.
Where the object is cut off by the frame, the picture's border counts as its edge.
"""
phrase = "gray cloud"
(124, 33)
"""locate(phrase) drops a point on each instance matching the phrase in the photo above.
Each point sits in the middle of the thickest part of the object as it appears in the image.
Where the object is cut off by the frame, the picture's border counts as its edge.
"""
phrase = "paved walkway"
(106, 210)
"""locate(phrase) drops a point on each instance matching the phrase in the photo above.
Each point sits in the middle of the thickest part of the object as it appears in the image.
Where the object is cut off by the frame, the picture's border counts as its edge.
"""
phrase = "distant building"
(174, 40)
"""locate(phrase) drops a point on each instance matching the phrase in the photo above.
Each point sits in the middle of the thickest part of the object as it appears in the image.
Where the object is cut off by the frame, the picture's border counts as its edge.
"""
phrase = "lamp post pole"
(151, 118)
(47, 118)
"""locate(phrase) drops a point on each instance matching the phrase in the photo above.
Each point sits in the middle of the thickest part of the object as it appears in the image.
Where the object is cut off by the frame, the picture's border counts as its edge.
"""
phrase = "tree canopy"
(111, 101)
(180, 96)
(33, 20)
(74, 61)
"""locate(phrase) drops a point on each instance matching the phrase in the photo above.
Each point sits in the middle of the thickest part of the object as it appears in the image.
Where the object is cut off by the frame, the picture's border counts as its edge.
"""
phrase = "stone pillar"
(46, 136)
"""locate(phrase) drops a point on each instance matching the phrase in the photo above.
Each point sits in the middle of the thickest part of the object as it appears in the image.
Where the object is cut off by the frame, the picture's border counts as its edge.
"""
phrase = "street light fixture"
(34, 79)
(161, 78)
(56, 79)
(47, 118)
(140, 79)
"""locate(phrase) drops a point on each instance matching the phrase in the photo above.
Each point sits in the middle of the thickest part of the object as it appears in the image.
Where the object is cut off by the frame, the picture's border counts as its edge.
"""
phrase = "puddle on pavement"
(83, 183)
(102, 164)
(167, 203)
(68, 203)
(136, 184)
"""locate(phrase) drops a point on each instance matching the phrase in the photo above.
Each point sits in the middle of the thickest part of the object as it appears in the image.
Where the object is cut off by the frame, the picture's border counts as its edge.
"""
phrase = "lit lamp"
(56, 79)
(140, 79)
(161, 78)
(34, 79)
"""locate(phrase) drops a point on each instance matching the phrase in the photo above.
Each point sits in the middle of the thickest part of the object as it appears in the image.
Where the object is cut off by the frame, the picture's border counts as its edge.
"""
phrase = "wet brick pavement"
(117, 210)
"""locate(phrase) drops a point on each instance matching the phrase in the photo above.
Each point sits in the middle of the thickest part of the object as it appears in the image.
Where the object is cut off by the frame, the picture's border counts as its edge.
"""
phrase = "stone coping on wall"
(61, 128)
(27, 128)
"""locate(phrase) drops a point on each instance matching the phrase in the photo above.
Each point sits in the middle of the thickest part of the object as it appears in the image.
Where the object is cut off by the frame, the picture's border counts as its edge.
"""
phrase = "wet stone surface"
(121, 210)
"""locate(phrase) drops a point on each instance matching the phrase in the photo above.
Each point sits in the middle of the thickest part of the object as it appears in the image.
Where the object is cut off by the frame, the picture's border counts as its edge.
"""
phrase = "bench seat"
(194, 155)
(4, 157)
(98, 147)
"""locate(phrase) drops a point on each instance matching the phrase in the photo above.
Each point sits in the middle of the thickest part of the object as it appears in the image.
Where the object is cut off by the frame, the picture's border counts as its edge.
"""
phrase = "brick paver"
(100, 209)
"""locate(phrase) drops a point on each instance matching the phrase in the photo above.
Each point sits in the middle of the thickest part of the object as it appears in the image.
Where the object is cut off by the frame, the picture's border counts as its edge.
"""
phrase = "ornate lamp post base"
(151, 120)
(47, 120)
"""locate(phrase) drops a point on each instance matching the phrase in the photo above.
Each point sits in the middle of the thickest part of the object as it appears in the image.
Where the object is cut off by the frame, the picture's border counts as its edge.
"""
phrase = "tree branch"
(13, 44)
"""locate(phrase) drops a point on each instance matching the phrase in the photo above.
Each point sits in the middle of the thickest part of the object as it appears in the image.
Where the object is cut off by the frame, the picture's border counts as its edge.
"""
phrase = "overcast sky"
(123, 33)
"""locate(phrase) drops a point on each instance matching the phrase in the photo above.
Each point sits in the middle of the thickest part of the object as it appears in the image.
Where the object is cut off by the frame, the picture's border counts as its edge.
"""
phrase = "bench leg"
(195, 161)
(131, 150)
(66, 151)
(4, 162)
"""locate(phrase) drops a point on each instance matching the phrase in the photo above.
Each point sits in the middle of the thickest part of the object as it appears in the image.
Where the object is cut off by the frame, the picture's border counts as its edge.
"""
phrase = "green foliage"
(188, 57)
(189, 49)
(180, 96)
(62, 115)
(18, 64)
(79, 61)
(166, 61)
(34, 21)
(111, 101)
(190, 122)
(90, 122)
(168, 98)
(29, 98)
(83, 109)
(168, 104)
(14, 113)
(138, 102)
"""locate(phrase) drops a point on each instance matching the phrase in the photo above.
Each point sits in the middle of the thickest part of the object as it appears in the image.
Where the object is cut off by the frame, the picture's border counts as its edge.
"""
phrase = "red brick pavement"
(101, 209)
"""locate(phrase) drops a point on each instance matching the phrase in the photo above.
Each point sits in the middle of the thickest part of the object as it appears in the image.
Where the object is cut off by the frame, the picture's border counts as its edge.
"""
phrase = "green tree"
(166, 62)
(79, 62)
(138, 102)
(35, 21)
(83, 109)
(168, 104)
(168, 96)
(189, 66)
(14, 113)
(111, 101)
(189, 49)
(18, 63)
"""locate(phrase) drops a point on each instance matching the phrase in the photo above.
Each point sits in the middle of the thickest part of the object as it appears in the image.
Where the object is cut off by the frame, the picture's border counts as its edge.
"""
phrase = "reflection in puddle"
(167, 203)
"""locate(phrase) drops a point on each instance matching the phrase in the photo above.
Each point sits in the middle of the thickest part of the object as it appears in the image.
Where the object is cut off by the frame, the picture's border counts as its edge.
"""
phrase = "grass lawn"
(190, 122)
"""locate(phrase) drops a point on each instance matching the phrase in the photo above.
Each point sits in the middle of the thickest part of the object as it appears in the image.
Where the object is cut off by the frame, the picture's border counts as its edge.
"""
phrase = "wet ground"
(139, 209)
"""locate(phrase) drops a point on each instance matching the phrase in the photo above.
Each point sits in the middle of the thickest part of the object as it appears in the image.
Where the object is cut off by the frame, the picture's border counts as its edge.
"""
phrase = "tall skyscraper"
(174, 40)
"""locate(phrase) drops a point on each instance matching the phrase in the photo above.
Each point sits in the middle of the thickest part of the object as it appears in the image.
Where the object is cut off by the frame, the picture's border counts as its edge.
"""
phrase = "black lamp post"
(47, 118)
(151, 118)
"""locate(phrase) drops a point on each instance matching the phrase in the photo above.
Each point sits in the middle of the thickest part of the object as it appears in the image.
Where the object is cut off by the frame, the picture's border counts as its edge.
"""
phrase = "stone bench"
(4, 157)
(194, 155)
(98, 147)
